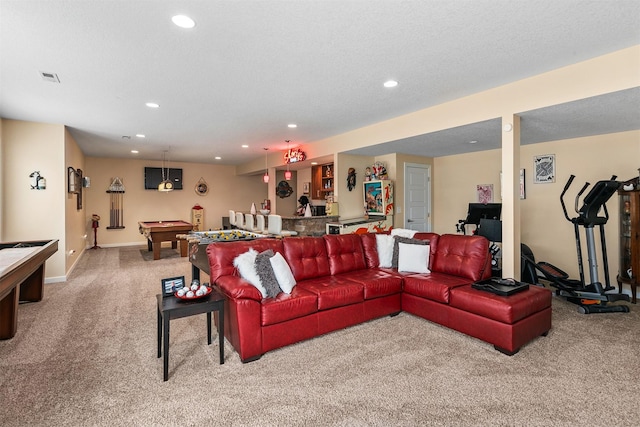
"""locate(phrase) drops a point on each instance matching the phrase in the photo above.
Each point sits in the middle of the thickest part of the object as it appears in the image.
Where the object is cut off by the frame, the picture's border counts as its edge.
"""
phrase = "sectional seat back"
(339, 284)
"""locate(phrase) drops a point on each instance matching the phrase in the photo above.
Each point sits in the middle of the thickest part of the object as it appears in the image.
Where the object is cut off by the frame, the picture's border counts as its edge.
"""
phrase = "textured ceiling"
(249, 68)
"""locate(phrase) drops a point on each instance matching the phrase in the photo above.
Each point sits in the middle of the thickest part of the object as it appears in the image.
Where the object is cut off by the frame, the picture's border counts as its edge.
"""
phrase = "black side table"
(173, 308)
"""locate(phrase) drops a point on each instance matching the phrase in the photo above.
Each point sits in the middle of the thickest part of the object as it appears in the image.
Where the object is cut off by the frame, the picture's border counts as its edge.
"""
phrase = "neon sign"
(294, 155)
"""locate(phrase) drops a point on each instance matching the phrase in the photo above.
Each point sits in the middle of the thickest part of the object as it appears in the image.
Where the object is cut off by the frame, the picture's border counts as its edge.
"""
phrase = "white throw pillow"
(246, 265)
(283, 273)
(384, 244)
(403, 232)
(413, 258)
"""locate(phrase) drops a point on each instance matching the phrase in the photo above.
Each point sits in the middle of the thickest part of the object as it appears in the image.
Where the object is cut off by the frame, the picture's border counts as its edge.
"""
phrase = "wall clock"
(202, 188)
(544, 169)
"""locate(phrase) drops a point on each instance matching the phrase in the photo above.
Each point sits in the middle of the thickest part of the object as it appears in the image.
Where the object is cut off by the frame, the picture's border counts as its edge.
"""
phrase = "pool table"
(21, 278)
(157, 232)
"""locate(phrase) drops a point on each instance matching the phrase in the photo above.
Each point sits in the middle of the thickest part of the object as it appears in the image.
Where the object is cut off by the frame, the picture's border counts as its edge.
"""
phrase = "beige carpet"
(86, 356)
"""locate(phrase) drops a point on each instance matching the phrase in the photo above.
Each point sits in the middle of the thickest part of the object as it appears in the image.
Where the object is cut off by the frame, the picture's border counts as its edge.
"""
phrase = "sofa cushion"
(376, 282)
(370, 247)
(307, 257)
(222, 254)
(283, 273)
(434, 286)
(403, 232)
(345, 253)
(413, 258)
(384, 245)
(264, 269)
(463, 256)
(503, 309)
(334, 291)
(396, 248)
(246, 265)
(288, 306)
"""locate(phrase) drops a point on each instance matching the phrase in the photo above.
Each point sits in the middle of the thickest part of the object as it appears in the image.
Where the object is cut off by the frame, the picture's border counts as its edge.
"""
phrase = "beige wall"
(226, 191)
(350, 203)
(543, 225)
(76, 237)
(34, 214)
(285, 206)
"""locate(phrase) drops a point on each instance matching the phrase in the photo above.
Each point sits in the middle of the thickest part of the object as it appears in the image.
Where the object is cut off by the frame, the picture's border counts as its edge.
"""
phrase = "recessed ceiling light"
(218, 158)
(183, 21)
(390, 83)
(314, 163)
(134, 151)
(139, 135)
(152, 105)
(472, 142)
(245, 146)
(292, 125)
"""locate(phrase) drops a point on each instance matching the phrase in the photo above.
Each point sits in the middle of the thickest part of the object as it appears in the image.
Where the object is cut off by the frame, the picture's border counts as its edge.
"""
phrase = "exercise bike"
(592, 297)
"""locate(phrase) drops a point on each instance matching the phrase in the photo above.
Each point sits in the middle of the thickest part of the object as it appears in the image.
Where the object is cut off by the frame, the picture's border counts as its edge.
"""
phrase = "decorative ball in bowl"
(265, 211)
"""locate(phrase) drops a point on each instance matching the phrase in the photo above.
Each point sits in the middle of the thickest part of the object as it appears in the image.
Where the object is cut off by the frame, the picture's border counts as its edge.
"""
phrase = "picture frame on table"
(171, 284)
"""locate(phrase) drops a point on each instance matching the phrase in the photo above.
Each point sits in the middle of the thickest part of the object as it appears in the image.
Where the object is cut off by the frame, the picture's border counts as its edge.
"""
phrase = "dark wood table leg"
(166, 346)
(156, 250)
(159, 333)
(208, 328)
(220, 315)
(9, 314)
(184, 247)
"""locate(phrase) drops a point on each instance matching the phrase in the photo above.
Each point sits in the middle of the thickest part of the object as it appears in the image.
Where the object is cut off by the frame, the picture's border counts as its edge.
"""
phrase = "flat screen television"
(478, 211)
(153, 177)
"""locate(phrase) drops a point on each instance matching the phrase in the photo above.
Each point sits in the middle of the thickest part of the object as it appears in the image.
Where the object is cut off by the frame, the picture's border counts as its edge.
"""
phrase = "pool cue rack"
(116, 204)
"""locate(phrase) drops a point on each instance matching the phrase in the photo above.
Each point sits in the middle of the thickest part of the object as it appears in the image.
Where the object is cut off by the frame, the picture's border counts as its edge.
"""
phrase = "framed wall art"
(544, 169)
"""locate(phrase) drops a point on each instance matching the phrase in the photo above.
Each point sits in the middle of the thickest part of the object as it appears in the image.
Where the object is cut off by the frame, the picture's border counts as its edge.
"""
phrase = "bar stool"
(232, 218)
(260, 224)
(275, 227)
(249, 223)
(239, 220)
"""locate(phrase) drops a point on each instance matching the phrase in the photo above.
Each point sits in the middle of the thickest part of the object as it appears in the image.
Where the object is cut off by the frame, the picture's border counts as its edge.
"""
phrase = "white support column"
(511, 196)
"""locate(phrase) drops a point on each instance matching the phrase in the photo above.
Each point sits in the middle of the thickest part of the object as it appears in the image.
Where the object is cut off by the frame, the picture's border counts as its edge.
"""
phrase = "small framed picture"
(171, 285)
(544, 169)
(305, 187)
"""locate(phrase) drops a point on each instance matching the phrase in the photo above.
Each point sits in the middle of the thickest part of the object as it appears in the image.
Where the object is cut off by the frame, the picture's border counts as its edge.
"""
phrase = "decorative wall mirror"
(202, 188)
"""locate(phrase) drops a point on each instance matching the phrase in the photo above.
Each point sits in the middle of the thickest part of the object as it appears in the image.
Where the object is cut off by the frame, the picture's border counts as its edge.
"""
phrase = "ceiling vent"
(50, 77)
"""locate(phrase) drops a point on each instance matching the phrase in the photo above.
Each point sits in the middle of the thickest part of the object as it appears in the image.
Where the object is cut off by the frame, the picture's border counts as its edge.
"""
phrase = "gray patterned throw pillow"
(266, 274)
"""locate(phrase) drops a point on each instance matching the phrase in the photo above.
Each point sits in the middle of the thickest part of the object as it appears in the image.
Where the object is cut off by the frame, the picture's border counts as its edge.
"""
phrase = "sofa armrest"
(236, 287)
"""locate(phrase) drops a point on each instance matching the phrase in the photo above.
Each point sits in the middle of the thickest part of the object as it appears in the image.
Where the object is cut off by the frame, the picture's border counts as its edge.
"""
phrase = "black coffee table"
(171, 307)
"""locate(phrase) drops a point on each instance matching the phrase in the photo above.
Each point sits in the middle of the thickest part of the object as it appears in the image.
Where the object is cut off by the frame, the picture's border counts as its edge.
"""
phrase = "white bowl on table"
(265, 211)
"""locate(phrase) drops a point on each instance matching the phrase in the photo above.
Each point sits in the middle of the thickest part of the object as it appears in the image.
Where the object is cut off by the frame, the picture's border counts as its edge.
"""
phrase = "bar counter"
(308, 225)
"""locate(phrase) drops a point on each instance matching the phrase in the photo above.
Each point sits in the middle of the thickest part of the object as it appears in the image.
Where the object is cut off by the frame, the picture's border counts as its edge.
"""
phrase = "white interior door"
(417, 197)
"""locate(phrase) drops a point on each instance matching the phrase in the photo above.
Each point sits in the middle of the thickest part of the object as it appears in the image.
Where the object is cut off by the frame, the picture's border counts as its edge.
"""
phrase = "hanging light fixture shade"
(265, 177)
(287, 174)
(166, 184)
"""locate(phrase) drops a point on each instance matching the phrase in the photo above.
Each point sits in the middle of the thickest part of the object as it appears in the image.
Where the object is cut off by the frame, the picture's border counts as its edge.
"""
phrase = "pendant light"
(166, 184)
(287, 174)
(265, 177)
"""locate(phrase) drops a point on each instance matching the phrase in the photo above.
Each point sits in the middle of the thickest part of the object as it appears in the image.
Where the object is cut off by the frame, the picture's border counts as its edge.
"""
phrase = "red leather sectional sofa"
(339, 284)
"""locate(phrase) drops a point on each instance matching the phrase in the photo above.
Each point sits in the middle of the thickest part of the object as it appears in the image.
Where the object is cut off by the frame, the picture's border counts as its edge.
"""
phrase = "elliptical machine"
(592, 297)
